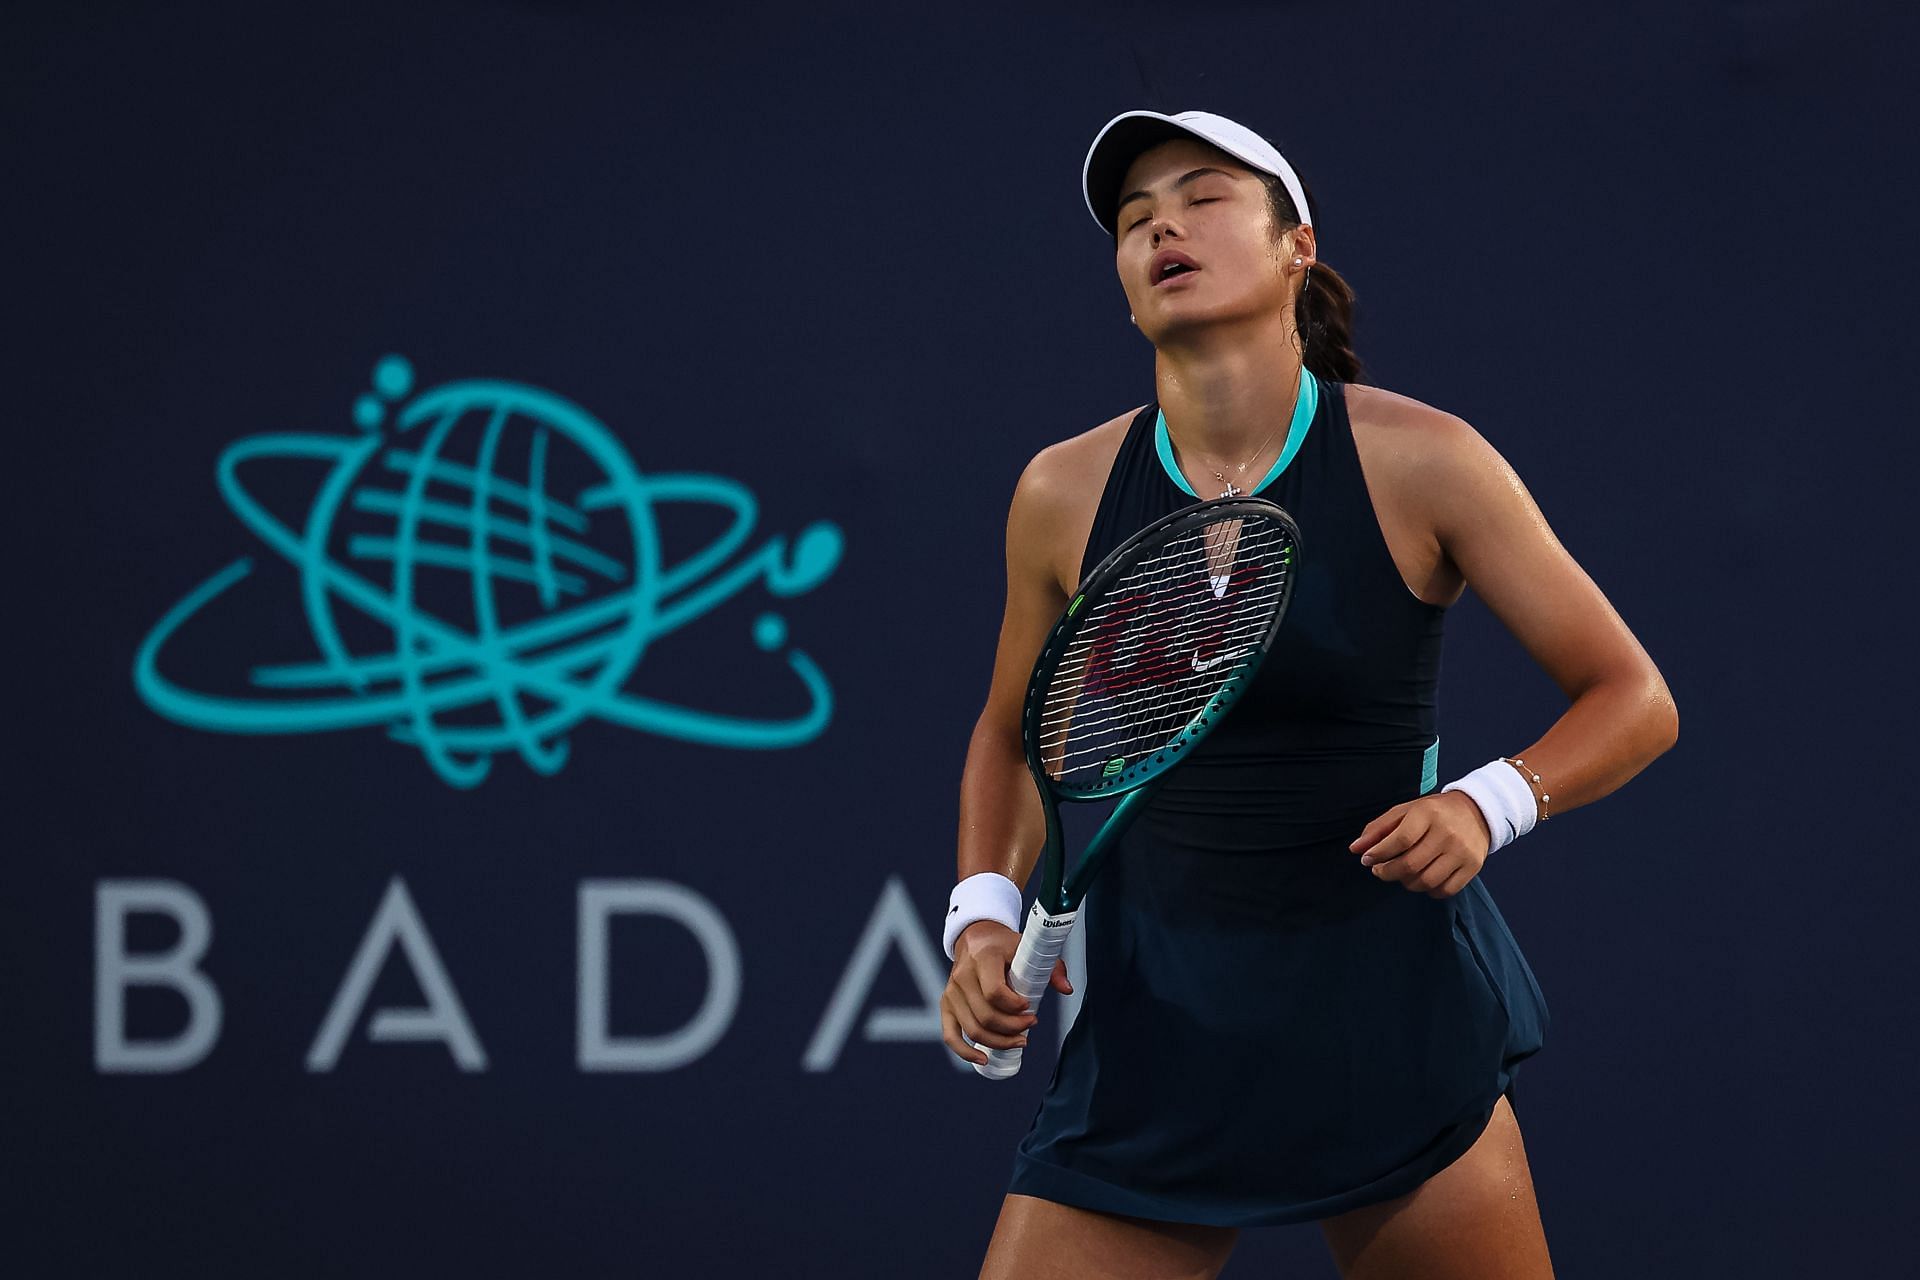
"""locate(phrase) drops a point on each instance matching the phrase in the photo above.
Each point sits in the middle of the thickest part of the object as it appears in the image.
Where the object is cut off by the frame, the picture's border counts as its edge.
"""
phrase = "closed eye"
(1203, 200)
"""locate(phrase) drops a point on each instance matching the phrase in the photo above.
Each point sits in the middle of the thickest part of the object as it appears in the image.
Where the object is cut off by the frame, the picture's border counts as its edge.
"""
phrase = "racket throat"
(1052, 897)
(1075, 887)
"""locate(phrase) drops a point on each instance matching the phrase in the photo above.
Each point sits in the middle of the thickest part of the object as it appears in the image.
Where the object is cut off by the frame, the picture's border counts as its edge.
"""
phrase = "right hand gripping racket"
(1155, 647)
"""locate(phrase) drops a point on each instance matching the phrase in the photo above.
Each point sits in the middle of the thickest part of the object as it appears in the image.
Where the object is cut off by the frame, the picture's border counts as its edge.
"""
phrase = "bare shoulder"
(1058, 494)
(1061, 470)
(1402, 424)
(1427, 458)
(1492, 536)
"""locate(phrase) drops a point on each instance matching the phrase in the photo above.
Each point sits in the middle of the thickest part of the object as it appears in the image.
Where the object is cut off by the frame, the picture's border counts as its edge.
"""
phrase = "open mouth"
(1173, 271)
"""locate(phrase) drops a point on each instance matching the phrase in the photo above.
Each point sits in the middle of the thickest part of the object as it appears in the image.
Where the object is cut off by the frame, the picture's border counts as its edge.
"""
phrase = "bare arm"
(1622, 715)
(1002, 826)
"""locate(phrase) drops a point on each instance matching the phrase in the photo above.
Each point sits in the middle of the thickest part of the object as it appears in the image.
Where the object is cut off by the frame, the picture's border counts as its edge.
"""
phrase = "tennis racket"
(1151, 654)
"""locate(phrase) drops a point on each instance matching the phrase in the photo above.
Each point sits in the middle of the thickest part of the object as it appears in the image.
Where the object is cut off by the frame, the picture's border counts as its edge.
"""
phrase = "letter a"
(894, 923)
(442, 1019)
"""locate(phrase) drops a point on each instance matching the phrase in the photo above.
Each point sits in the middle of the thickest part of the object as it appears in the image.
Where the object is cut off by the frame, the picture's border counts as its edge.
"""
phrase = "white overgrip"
(1041, 942)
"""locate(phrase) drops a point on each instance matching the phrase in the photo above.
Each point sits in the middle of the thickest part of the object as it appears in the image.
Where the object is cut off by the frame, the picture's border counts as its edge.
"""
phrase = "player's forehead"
(1166, 162)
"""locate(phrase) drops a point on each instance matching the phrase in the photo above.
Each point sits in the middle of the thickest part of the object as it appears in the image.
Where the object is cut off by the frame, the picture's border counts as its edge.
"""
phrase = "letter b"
(114, 971)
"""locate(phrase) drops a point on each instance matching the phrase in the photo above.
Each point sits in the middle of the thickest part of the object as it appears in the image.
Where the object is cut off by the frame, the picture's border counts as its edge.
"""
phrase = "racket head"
(1156, 646)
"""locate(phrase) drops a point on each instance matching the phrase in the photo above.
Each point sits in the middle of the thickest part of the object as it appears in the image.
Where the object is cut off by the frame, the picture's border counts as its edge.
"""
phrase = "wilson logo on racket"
(1148, 639)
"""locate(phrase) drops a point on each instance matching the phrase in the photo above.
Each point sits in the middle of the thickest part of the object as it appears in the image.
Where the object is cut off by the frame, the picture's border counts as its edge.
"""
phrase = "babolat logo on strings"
(480, 570)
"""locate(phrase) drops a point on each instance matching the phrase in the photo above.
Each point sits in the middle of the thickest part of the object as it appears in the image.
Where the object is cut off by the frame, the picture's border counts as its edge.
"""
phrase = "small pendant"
(1231, 491)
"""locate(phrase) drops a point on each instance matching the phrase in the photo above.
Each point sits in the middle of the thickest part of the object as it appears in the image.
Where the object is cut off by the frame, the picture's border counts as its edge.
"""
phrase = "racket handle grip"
(1041, 942)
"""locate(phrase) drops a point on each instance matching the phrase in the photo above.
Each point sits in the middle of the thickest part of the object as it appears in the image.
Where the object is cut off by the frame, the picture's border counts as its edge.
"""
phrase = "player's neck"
(1223, 394)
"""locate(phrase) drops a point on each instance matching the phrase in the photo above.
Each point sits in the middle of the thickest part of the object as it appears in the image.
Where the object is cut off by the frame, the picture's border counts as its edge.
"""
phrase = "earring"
(1296, 262)
(1133, 319)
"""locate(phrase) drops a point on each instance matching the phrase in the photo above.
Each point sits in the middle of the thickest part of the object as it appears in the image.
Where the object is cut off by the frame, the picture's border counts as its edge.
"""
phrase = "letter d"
(114, 971)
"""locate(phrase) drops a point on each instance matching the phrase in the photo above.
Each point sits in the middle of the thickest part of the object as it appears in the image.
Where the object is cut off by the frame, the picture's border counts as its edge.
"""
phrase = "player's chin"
(1182, 314)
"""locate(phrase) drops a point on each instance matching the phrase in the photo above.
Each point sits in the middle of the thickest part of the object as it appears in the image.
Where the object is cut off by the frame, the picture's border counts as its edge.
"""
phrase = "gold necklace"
(1233, 490)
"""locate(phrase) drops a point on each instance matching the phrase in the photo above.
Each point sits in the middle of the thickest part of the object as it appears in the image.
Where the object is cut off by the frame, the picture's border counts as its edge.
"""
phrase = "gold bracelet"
(1527, 770)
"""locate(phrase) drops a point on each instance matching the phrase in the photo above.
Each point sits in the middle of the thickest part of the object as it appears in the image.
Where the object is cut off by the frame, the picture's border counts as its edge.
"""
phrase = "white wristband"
(1505, 800)
(987, 896)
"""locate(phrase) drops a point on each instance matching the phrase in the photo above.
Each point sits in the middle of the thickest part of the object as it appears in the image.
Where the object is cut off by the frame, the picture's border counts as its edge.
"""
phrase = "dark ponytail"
(1324, 312)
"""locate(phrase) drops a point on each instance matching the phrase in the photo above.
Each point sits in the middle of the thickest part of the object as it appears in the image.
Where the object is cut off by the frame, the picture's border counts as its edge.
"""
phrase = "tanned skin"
(1452, 513)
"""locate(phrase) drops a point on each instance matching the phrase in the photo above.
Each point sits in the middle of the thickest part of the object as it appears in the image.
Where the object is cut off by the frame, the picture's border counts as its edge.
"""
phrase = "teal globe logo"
(481, 569)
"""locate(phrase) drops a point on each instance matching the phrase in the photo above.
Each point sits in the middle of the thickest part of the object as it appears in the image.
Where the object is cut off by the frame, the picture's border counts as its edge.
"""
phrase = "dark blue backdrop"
(834, 259)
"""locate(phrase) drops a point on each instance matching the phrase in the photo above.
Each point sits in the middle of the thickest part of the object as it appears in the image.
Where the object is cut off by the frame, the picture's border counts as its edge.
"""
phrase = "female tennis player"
(1302, 1003)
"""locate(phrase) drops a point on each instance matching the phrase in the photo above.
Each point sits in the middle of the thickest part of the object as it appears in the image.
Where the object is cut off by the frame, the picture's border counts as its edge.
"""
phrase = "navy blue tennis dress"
(1271, 1033)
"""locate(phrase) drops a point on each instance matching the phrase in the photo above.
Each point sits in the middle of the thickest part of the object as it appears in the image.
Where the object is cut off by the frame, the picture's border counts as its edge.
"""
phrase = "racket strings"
(1218, 538)
(1148, 620)
(1135, 617)
(1160, 643)
(1127, 735)
(1150, 632)
(1116, 734)
(1174, 602)
(1166, 676)
(1154, 714)
(1218, 561)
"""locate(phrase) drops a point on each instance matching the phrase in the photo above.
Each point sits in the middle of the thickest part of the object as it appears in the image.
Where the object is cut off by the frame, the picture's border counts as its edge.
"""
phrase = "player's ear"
(1302, 251)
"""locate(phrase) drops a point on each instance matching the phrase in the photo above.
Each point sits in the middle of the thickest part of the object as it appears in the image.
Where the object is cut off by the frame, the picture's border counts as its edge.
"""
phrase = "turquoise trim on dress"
(1297, 429)
(1164, 447)
(1304, 408)
(1430, 767)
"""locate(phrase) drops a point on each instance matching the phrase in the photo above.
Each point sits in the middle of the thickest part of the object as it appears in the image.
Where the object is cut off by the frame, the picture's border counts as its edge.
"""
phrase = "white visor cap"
(1131, 132)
